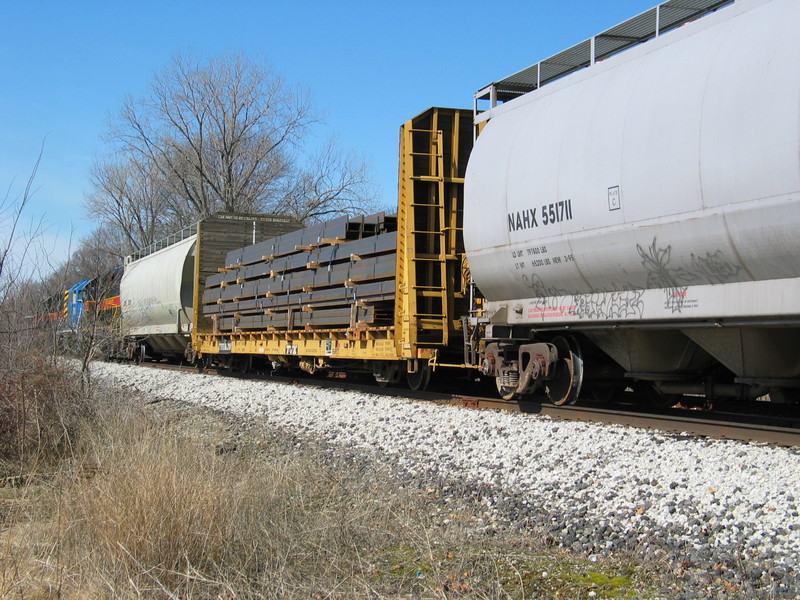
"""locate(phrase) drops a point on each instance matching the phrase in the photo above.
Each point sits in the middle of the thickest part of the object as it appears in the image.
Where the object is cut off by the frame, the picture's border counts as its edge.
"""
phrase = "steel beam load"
(338, 274)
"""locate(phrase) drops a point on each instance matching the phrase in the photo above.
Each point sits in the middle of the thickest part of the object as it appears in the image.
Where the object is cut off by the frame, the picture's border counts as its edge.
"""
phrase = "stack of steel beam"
(338, 274)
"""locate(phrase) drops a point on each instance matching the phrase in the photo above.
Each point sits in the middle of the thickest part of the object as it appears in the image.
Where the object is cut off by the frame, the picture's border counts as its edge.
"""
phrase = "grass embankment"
(129, 504)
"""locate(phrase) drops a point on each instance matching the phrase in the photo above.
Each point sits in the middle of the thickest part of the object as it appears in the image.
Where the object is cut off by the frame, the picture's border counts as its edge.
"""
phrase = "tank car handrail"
(174, 238)
(635, 31)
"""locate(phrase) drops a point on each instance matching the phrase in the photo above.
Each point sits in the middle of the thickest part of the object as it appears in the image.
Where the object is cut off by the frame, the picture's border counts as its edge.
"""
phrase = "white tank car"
(652, 202)
(157, 292)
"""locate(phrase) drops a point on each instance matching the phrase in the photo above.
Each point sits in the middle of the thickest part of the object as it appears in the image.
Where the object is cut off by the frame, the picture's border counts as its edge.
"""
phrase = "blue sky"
(65, 66)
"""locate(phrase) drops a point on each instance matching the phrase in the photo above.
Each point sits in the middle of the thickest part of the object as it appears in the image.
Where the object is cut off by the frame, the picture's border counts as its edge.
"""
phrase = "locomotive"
(620, 218)
(89, 303)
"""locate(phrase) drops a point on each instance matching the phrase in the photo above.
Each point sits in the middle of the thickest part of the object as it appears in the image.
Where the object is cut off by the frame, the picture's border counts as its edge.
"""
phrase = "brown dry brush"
(40, 410)
(146, 513)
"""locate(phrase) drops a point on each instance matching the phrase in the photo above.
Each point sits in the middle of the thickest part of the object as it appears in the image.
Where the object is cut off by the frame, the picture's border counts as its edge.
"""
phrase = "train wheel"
(507, 392)
(387, 373)
(565, 383)
(421, 377)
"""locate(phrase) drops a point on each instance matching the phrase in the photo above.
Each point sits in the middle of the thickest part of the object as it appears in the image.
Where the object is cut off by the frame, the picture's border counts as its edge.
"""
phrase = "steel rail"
(667, 422)
(704, 424)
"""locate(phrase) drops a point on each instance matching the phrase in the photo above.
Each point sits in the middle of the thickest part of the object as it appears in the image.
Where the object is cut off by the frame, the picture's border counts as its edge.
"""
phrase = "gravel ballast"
(712, 510)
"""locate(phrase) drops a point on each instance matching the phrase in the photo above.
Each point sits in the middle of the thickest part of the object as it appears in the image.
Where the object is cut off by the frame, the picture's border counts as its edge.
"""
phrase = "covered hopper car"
(627, 222)
(645, 210)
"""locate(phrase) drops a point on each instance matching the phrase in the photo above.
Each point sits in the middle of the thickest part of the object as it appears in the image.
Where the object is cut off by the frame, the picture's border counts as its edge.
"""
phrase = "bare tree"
(39, 405)
(10, 216)
(19, 293)
(220, 136)
(130, 197)
(21, 296)
(333, 184)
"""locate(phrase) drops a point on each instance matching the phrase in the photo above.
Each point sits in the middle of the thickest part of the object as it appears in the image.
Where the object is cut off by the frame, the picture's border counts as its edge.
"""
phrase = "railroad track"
(777, 430)
(699, 424)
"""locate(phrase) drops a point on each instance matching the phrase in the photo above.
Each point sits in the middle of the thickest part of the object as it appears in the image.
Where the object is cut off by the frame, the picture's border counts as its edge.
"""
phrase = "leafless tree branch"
(217, 136)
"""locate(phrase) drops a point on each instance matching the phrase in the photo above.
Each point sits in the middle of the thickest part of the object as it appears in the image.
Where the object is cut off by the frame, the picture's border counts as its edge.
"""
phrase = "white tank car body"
(157, 296)
(663, 183)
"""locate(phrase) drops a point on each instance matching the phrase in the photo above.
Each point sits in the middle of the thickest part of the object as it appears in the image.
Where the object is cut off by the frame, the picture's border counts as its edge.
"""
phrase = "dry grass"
(144, 512)
(149, 514)
(145, 508)
(40, 408)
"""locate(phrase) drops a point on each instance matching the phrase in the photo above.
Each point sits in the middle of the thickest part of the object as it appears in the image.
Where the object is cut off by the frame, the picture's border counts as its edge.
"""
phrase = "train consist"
(626, 221)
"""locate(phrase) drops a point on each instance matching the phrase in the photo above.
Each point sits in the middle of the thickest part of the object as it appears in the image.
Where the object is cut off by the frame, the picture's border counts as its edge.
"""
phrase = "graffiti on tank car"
(626, 304)
(540, 290)
(550, 302)
(626, 301)
(547, 214)
(674, 281)
(660, 274)
(598, 305)
(715, 268)
(602, 305)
